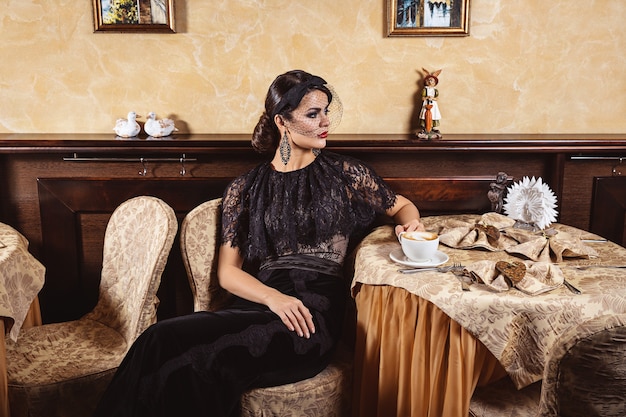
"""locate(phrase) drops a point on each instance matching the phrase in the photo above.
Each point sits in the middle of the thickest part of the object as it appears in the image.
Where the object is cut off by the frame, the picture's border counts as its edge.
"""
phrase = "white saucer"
(398, 256)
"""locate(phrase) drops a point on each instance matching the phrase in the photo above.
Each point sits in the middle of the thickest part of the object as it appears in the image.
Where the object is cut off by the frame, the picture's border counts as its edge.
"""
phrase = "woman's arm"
(406, 215)
(234, 279)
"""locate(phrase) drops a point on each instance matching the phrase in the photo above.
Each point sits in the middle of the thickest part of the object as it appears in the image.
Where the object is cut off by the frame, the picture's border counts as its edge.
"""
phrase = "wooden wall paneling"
(608, 214)
(74, 213)
(576, 204)
(454, 163)
(19, 199)
(557, 174)
(445, 195)
(4, 195)
(414, 168)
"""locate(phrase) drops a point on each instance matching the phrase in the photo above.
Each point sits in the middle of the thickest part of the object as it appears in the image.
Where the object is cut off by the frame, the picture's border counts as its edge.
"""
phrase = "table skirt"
(33, 318)
(4, 389)
(430, 368)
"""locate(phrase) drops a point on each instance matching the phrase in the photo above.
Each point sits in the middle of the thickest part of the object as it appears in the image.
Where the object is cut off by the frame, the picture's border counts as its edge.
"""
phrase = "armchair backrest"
(137, 243)
(585, 374)
(199, 243)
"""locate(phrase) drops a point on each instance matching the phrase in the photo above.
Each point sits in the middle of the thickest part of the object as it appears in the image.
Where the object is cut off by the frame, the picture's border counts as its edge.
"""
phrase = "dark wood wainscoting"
(608, 214)
(445, 195)
(59, 190)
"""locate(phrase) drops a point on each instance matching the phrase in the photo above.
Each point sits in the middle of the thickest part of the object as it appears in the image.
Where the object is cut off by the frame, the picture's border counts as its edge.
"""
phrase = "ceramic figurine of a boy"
(430, 117)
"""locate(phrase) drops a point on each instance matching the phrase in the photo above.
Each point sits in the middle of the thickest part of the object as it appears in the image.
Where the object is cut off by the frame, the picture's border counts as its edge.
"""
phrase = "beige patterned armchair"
(585, 375)
(62, 369)
(325, 395)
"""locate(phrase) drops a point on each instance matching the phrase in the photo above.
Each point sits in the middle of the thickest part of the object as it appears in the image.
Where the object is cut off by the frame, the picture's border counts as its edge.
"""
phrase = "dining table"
(21, 278)
(425, 340)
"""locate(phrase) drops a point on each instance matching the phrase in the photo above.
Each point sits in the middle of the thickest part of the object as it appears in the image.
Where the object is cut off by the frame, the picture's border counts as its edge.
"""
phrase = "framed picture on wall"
(427, 17)
(133, 16)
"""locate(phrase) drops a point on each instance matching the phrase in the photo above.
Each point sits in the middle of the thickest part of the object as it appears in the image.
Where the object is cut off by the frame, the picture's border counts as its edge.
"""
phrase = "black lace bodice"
(316, 210)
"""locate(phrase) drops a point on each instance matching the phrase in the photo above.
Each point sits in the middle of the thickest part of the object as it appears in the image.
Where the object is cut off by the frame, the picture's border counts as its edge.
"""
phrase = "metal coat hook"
(617, 169)
(183, 171)
(144, 171)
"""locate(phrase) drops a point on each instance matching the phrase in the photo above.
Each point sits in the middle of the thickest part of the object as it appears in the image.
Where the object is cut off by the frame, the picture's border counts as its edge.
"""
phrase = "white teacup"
(419, 246)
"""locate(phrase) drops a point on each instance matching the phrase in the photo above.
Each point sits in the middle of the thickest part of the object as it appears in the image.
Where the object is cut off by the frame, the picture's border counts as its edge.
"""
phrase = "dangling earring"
(316, 152)
(285, 149)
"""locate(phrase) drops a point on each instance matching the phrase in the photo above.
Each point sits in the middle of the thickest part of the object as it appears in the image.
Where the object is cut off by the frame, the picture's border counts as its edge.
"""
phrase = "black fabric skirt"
(200, 364)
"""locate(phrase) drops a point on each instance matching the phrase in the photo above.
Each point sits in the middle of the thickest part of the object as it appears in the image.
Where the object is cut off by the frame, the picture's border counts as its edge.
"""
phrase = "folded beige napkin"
(529, 277)
(548, 245)
(484, 233)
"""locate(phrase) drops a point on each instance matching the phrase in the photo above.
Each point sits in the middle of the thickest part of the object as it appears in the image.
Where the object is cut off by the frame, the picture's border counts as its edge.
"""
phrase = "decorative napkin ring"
(492, 232)
(529, 277)
(512, 271)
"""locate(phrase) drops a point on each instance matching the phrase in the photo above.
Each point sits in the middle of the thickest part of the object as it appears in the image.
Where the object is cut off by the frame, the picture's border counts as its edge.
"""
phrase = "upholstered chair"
(62, 369)
(585, 375)
(325, 395)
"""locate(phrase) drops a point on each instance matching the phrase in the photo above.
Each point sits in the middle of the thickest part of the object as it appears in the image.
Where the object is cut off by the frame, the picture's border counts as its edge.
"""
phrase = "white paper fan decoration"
(531, 201)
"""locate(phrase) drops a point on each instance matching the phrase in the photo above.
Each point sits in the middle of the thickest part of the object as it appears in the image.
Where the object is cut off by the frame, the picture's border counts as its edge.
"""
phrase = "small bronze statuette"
(497, 192)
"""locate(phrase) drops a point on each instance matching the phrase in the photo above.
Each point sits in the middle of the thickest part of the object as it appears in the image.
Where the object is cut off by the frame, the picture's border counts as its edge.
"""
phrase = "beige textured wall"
(528, 66)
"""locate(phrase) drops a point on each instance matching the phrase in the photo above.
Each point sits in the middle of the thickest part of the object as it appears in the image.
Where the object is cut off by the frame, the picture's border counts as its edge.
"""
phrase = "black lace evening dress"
(296, 227)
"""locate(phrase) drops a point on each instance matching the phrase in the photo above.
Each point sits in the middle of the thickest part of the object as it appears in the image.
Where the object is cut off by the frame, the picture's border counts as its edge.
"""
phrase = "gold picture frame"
(133, 16)
(427, 17)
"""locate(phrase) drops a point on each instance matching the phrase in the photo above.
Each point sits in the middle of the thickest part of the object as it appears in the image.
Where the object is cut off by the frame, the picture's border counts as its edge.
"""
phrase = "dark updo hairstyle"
(283, 96)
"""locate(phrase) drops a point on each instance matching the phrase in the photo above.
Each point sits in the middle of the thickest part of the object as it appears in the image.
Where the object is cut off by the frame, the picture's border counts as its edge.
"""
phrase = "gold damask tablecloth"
(423, 343)
(21, 279)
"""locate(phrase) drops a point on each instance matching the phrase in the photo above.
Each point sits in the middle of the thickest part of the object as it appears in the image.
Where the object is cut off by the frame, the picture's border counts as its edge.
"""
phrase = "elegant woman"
(286, 228)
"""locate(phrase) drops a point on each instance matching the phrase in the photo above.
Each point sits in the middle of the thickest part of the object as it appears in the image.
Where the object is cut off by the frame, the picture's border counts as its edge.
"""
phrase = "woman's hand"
(411, 226)
(406, 215)
(293, 313)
